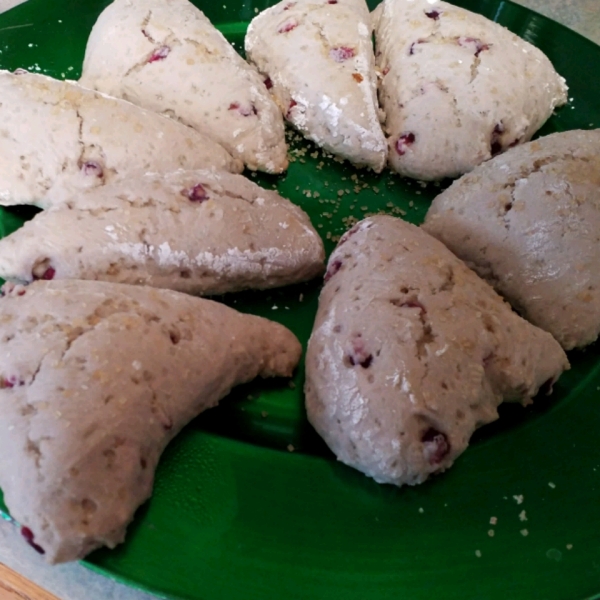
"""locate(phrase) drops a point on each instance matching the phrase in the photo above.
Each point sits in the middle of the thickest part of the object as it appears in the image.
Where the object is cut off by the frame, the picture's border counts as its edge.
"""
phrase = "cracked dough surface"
(529, 222)
(200, 232)
(411, 351)
(456, 87)
(83, 139)
(165, 55)
(95, 380)
(319, 59)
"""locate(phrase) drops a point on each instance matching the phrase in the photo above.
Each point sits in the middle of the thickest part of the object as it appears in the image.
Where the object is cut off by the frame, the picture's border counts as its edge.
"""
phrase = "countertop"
(75, 582)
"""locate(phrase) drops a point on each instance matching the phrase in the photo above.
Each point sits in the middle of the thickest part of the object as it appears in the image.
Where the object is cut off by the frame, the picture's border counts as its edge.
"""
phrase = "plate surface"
(248, 501)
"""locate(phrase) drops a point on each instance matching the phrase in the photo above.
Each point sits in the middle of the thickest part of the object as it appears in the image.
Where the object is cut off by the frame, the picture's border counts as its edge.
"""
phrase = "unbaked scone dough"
(317, 56)
(165, 55)
(95, 380)
(456, 87)
(57, 135)
(200, 232)
(411, 351)
(529, 222)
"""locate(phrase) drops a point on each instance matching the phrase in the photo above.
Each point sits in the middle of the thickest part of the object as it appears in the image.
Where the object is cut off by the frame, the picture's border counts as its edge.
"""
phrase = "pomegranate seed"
(341, 53)
(47, 275)
(10, 382)
(292, 104)
(403, 143)
(435, 446)
(268, 83)
(91, 168)
(332, 1)
(334, 267)
(359, 354)
(243, 110)
(288, 26)
(29, 538)
(195, 194)
(160, 54)
(433, 14)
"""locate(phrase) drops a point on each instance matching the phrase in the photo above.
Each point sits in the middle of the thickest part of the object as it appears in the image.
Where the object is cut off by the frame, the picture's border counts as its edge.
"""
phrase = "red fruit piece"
(404, 142)
(474, 44)
(29, 538)
(288, 26)
(195, 194)
(433, 14)
(332, 1)
(333, 268)
(268, 83)
(91, 168)
(245, 111)
(10, 382)
(292, 104)
(435, 446)
(341, 53)
(47, 275)
(359, 355)
(159, 54)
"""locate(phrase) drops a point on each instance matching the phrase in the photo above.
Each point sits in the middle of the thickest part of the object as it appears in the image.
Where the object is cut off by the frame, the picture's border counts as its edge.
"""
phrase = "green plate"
(248, 501)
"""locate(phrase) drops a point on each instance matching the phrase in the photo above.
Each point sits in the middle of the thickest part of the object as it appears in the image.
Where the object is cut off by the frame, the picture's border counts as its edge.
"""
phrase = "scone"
(200, 232)
(60, 136)
(165, 55)
(529, 222)
(95, 380)
(317, 58)
(411, 351)
(457, 88)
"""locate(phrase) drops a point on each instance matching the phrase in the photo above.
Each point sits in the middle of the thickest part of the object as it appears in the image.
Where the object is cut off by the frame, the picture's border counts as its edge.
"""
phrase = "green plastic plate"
(248, 501)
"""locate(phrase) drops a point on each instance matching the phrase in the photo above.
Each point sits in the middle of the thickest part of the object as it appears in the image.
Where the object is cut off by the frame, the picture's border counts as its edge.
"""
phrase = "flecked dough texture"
(165, 55)
(57, 136)
(319, 61)
(95, 379)
(411, 351)
(200, 232)
(529, 222)
(456, 87)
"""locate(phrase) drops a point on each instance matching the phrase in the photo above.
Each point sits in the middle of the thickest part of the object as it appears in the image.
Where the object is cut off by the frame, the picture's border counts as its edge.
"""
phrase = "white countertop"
(75, 582)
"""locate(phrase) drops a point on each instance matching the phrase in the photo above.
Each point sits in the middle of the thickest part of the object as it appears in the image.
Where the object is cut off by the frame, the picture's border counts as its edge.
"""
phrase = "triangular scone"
(528, 222)
(95, 380)
(318, 58)
(165, 55)
(57, 135)
(456, 88)
(411, 352)
(201, 232)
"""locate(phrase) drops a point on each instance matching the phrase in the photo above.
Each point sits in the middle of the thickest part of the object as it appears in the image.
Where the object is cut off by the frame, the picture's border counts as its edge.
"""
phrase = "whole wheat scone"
(411, 351)
(58, 135)
(456, 87)
(165, 55)
(318, 58)
(529, 223)
(200, 232)
(95, 380)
